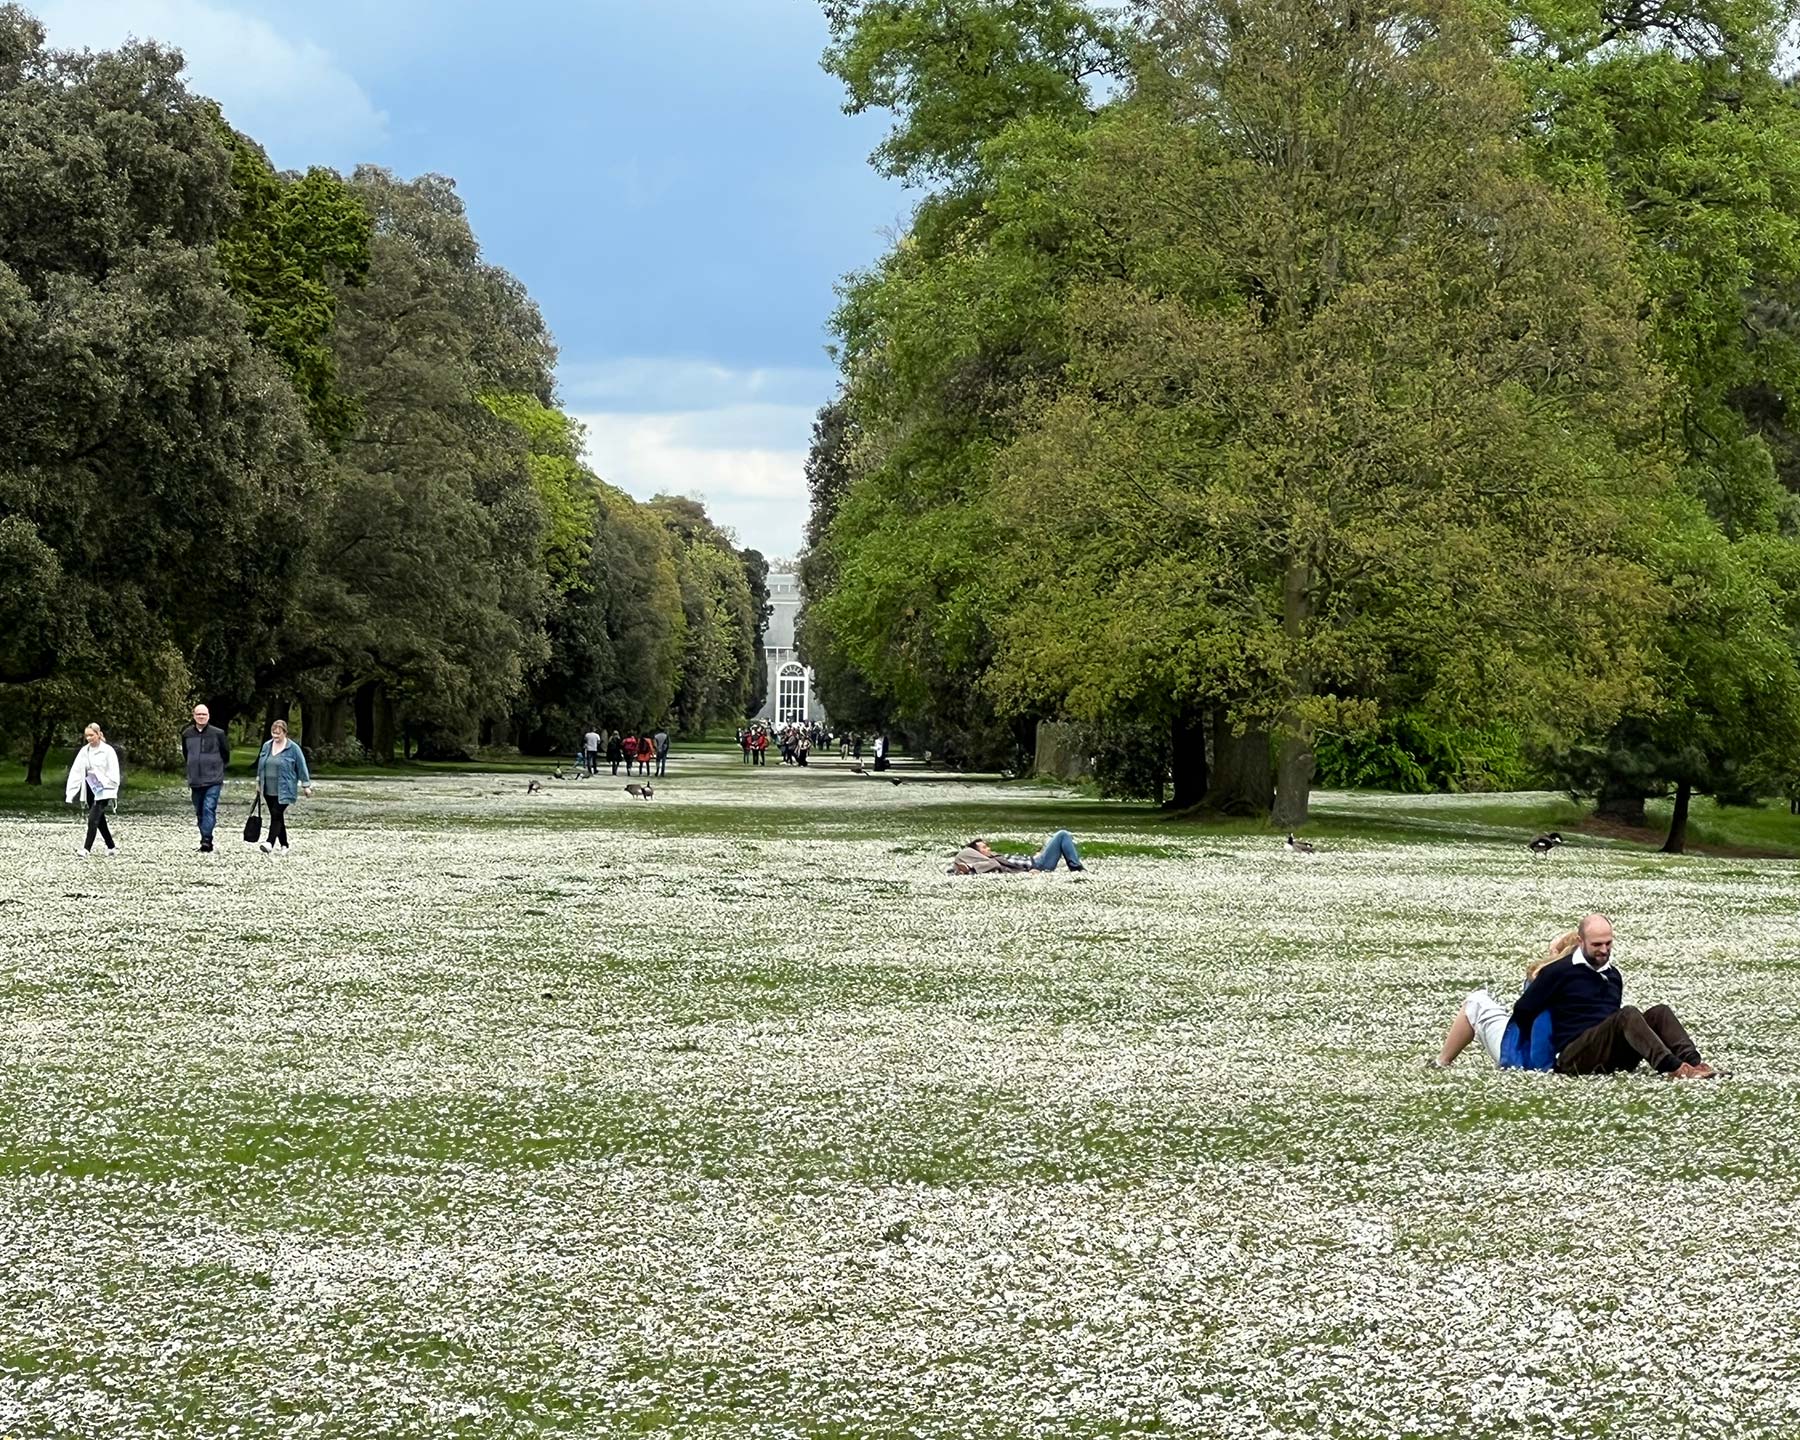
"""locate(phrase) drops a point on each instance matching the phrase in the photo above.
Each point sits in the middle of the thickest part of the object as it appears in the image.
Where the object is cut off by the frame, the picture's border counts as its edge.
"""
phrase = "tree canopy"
(283, 438)
(1325, 365)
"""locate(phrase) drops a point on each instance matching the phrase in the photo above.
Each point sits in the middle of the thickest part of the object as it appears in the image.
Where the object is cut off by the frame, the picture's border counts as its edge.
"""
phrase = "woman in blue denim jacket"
(281, 778)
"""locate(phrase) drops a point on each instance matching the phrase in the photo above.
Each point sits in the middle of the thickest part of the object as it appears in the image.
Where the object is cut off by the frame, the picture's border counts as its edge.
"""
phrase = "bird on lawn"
(1545, 843)
(893, 782)
(858, 770)
(533, 788)
(1298, 847)
(640, 792)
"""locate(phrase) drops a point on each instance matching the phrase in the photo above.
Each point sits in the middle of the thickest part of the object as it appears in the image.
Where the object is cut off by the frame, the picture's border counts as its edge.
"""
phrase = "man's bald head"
(1596, 937)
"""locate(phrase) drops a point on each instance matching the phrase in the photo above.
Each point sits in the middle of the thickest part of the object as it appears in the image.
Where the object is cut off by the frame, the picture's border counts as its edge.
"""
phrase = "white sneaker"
(266, 848)
(82, 851)
(112, 852)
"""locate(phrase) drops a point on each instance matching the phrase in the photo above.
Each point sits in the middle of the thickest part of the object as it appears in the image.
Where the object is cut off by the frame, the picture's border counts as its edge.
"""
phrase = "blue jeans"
(1060, 846)
(206, 809)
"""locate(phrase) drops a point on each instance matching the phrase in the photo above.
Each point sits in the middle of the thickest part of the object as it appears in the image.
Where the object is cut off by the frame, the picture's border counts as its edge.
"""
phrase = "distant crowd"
(796, 743)
(648, 753)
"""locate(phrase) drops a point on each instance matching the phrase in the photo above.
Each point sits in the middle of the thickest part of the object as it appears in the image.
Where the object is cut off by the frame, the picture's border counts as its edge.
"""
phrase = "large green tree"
(425, 609)
(1675, 115)
(155, 465)
(1366, 413)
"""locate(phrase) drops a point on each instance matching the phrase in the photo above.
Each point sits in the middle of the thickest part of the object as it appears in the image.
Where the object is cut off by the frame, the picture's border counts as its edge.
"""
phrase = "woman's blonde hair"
(280, 725)
(1561, 948)
(94, 725)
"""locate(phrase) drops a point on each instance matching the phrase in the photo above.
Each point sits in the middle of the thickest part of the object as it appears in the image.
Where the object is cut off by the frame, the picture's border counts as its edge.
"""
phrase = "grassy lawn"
(730, 1114)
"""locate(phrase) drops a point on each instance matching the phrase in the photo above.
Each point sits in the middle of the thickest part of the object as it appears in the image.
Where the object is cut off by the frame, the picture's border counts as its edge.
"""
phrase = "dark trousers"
(97, 825)
(593, 761)
(615, 764)
(1624, 1038)
(662, 764)
(277, 821)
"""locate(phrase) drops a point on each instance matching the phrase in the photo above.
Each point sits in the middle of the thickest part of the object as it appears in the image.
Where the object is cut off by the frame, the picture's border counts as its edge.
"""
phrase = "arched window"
(790, 695)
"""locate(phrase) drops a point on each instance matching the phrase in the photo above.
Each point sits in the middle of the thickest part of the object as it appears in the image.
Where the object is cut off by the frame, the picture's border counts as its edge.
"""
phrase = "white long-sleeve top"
(101, 760)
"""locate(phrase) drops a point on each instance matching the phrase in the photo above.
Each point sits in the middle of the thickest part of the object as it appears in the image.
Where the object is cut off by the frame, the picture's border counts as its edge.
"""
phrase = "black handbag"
(253, 825)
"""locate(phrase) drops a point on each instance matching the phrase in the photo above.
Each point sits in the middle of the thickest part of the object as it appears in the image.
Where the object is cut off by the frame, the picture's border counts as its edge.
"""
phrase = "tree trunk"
(336, 724)
(1187, 747)
(1294, 764)
(365, 715)
(276, 709)
(1676, 844)
(1620, 803)
(309, 718)
(1243, 782)
(384, 727)
(40, 748)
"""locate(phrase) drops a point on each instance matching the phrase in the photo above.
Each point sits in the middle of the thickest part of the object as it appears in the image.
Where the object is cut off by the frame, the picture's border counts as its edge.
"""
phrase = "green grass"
(730, 1114)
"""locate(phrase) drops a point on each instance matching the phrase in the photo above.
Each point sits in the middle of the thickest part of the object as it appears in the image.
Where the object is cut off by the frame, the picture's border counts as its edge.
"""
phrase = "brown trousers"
(1624, 1038)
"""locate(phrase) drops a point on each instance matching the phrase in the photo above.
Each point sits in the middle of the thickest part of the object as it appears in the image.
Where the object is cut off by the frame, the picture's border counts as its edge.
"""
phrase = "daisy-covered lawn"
(731, 1114)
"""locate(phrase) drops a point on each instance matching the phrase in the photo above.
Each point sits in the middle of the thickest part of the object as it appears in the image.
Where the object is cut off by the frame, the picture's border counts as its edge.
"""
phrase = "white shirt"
(1580, 958)
(593, 741)
(102, 760)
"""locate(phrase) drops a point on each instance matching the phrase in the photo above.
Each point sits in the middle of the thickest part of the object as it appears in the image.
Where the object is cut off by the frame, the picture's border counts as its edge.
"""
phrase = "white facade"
(790, 700)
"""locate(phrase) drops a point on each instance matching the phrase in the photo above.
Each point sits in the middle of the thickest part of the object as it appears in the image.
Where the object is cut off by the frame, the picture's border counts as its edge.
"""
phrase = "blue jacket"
(282, 775)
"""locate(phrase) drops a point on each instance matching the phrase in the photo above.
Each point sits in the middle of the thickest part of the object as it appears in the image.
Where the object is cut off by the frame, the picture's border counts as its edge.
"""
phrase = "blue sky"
(674, 181)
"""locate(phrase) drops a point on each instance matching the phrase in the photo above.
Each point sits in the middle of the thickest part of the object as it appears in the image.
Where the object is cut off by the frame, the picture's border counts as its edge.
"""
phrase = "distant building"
(790, 699)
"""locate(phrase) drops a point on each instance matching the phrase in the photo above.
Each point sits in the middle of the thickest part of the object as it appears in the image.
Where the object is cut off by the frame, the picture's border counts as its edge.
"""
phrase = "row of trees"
(1263, 374)
(276, 440)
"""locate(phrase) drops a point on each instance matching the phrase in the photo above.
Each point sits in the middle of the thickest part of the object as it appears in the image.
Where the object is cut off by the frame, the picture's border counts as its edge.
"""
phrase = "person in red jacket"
(629, 745)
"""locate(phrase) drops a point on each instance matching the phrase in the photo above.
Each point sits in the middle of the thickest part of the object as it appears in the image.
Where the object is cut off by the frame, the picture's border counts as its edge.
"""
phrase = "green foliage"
(1219, 401)
(1412, 754)
(721, 654)
(1690, 137)
(295, 240)
(180, 328)
(564, 487)
(958, 72)
(155, 466)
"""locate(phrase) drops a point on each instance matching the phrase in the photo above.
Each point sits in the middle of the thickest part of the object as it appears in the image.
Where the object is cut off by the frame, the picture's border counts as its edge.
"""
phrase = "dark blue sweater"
(1577, 997)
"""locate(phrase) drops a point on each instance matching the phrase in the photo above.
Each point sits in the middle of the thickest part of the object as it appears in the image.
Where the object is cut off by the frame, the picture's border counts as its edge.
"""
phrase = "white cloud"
(286, 92)
(735, 438)
(728, 458)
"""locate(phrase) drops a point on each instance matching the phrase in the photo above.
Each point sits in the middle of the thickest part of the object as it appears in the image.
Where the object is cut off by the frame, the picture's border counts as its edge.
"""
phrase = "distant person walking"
(759, 747)
(629, 744)
(207, 751)
(615, 750)
(744, 741)
(281, 779)
(591, 742)
(94, 780)
(881, 760)
(661, 740)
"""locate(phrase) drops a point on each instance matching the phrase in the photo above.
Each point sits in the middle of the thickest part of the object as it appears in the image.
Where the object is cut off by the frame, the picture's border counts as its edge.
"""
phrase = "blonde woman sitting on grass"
(1484, 1018)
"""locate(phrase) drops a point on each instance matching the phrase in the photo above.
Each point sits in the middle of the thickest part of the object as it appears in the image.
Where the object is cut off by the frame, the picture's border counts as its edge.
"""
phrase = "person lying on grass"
(978, 858)
(1484, 1018)
(1592, 1032)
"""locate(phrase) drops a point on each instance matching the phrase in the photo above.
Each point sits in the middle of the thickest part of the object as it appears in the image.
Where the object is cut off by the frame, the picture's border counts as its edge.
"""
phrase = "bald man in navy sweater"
(1590, 1030)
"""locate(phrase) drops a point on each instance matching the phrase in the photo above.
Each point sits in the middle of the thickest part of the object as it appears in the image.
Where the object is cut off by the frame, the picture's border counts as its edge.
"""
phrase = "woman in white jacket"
(94, 777)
